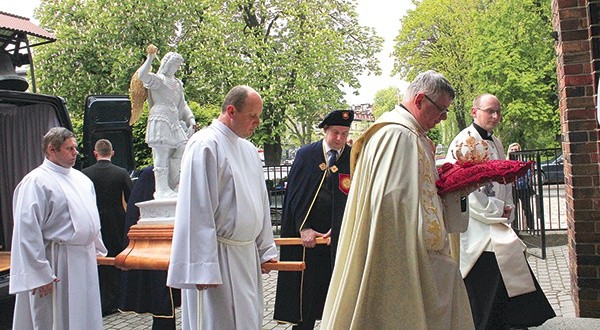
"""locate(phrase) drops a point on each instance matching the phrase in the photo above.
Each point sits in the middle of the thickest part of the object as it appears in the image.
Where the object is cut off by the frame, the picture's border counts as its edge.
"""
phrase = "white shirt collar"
(326, 147)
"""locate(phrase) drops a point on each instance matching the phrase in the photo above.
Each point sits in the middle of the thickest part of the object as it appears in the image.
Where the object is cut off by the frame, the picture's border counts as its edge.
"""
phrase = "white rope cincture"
(199, 303)
(54, 265)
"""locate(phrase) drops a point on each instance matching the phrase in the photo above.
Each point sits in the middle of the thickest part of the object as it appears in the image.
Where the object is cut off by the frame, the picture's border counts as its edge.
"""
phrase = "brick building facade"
(577, 30)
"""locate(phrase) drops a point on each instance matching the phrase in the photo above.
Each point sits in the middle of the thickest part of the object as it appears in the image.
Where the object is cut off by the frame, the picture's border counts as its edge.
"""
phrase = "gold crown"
(472, 151)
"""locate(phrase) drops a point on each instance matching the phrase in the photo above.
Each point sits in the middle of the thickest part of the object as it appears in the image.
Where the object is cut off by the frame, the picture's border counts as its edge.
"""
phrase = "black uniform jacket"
(112, 183)
(315, 198)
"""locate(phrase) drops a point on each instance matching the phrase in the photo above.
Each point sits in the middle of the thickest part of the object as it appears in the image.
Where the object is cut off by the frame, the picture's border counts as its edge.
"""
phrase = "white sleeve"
(29, 267)
(194, 253)
(486, 209)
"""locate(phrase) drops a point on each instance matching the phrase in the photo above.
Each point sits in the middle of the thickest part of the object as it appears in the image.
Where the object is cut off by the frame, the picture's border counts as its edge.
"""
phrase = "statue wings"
(138, 95)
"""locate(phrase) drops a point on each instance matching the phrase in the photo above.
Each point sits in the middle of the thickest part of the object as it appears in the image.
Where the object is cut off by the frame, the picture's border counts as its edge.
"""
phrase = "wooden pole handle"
(285, 266)
(105, 261)
(298, 241)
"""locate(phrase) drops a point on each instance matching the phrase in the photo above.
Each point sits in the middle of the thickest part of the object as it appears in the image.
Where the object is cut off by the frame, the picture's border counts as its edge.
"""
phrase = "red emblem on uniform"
(344, 183)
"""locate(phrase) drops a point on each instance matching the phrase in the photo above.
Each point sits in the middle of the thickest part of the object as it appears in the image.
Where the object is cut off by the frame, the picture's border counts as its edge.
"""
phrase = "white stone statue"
(170, 120)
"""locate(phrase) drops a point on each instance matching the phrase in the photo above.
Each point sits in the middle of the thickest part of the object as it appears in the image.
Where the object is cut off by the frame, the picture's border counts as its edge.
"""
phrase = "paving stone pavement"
(552, 274)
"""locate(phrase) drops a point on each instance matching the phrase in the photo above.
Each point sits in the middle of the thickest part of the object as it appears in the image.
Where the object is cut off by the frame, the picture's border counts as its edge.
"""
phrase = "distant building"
(363, 118)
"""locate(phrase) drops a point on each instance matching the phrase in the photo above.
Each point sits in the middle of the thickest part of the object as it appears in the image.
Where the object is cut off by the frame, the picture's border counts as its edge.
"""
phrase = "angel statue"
(170, 120)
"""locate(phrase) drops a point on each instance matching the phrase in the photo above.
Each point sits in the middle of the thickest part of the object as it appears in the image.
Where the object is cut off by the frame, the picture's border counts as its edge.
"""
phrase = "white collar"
(326, 147)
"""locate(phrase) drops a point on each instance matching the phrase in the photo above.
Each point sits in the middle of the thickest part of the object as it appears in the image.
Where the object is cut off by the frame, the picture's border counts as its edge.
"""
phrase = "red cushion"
(454, 177)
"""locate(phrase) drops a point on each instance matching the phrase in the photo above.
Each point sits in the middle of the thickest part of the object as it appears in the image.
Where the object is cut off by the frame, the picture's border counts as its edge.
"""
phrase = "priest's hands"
(309, 237)
(45, 289)
(328, 235)
(263, 269)
(507, 211)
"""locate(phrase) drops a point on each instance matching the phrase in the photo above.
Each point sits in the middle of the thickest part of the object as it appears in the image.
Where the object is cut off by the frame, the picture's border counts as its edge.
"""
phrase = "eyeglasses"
(491, 112)
(440, 109)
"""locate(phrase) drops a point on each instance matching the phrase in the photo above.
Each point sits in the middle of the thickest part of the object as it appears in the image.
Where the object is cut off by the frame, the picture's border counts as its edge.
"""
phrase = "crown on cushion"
(472, 151)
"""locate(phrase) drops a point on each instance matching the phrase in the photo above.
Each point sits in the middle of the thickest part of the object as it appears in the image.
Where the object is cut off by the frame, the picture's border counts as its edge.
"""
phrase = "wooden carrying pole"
(145, 256)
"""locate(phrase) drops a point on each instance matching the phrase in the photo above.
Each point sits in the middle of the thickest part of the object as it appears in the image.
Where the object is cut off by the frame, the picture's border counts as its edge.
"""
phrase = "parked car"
(552, 170)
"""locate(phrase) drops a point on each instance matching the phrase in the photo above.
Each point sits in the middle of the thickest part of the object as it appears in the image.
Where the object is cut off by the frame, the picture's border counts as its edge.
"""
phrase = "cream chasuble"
(393, 269)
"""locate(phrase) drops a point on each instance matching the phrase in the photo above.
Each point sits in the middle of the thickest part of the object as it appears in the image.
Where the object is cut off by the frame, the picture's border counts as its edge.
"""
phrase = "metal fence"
(276, 181)
(539, 196)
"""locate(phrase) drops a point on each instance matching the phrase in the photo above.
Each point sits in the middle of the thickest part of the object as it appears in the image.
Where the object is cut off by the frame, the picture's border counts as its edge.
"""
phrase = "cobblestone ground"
(552, 274)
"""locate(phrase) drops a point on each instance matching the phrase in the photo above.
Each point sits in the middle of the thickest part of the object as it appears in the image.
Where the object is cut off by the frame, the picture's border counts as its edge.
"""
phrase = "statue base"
(157, 211)
(150, 240)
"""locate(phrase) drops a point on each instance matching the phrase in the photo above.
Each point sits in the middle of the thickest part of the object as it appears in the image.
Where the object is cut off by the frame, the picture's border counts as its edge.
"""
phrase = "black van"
(24, 119)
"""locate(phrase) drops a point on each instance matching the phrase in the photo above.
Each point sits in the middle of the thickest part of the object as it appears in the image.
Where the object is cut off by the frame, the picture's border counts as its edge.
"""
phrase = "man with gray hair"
(56, 238)
(223, 231)
(393, 268)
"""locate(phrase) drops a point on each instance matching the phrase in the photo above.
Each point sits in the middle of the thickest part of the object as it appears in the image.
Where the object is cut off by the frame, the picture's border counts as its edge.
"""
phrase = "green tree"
(501, 47)
(99, 46)
(385, 100)
(434, 36)
(513, 58)
(297, 54)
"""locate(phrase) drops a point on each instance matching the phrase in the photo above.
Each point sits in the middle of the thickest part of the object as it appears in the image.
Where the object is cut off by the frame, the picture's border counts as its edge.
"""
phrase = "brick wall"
(577, 27)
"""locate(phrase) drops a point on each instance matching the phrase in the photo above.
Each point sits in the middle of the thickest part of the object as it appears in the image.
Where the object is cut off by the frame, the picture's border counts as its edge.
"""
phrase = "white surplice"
(56, 234)
(222, 231)
(393, 269)
(488, 230)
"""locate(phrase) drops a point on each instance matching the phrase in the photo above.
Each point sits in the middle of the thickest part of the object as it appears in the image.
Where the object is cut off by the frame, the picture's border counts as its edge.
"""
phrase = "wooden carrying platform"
(4, 261)
(150, 249)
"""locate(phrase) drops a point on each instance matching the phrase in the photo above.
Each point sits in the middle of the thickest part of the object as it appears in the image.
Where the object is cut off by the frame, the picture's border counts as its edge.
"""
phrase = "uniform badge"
(333, 169)
(344, 183)
(323, 166)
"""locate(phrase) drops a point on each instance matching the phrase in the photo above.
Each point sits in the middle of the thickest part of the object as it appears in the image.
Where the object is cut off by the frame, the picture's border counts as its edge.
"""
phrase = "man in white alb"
(502, 289)
(56, 239)
(223, 228)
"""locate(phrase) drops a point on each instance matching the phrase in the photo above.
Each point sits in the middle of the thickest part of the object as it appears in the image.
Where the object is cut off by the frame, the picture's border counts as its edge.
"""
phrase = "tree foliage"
(385, 100)
(297, 54)
(434, 36)
(501, 47)
(514, 59)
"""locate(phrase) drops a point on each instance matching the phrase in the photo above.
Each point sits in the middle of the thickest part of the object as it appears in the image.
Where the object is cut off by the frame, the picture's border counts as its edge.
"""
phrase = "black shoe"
(108, 312)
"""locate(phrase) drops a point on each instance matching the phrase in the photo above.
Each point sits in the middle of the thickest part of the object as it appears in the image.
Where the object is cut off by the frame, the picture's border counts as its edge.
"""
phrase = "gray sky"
(383, 15)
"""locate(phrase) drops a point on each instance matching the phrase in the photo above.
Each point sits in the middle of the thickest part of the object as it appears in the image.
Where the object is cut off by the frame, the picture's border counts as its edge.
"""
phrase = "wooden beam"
(298, 241)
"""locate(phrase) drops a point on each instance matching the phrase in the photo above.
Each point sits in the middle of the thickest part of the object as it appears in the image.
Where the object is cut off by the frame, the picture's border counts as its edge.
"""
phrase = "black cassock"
(315, 198)
(145, 291)
(112, 184)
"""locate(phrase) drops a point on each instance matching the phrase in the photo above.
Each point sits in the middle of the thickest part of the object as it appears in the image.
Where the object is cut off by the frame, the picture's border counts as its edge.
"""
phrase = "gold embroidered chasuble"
(393, 269)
